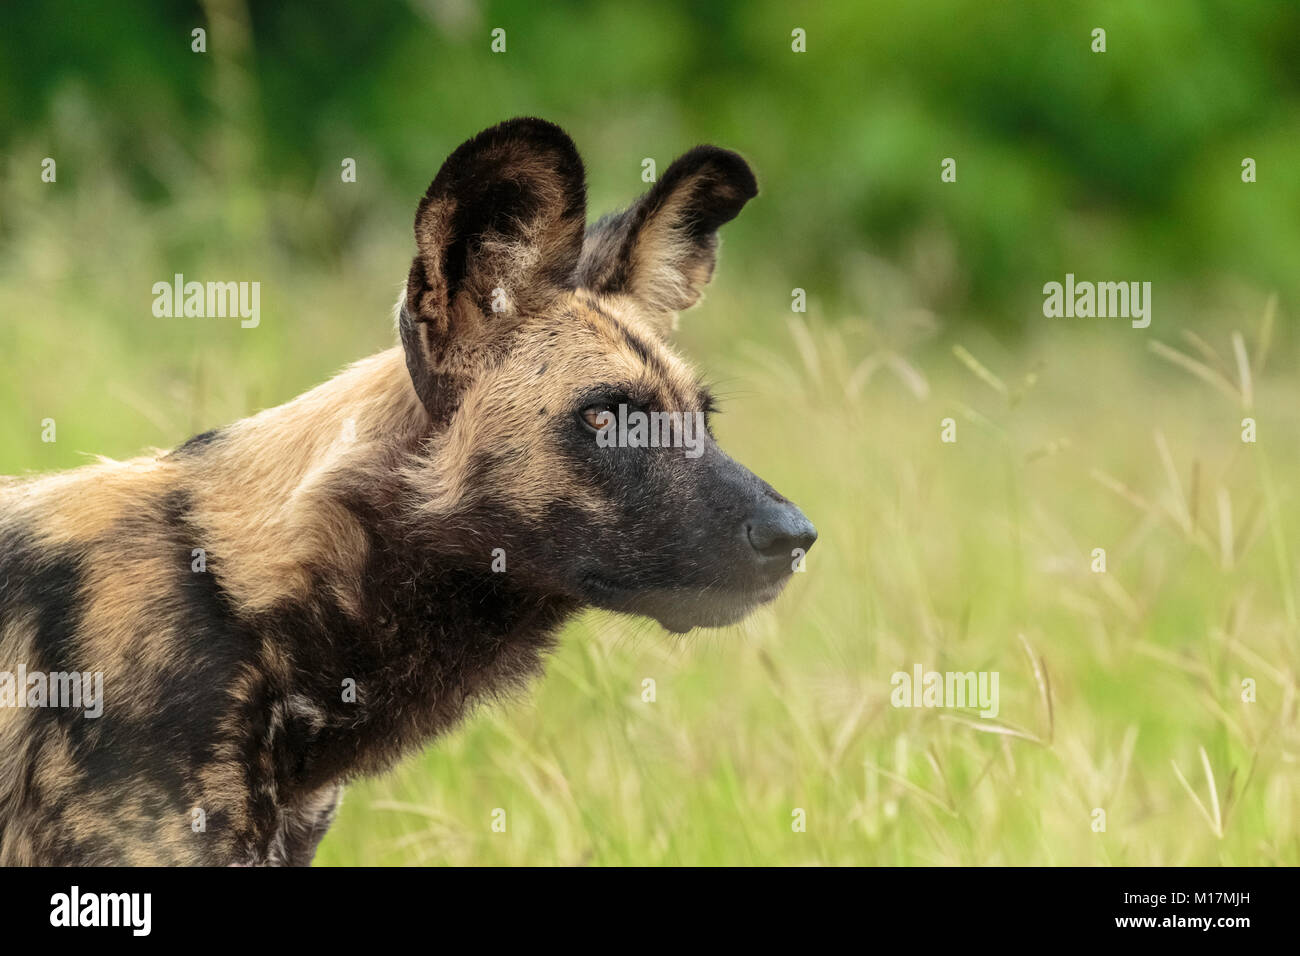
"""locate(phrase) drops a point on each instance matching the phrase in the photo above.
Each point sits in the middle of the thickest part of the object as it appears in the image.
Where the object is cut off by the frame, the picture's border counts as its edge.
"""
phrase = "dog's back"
(146, 580)
(90, 584)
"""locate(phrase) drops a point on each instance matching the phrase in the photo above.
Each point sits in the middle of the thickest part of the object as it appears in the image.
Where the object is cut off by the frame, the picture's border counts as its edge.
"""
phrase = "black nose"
(778, 530)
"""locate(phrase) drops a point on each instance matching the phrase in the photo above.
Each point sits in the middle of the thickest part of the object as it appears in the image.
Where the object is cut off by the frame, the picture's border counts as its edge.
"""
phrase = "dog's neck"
(433, 636)
(387, 626)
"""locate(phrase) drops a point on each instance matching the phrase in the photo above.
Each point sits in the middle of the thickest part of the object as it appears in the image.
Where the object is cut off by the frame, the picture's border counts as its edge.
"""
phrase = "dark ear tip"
(731, 166)
(724, 182)
(513, 138)
(530, 129)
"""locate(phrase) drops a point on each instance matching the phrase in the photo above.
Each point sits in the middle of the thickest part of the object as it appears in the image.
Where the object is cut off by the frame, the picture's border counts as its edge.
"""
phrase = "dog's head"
(564, 422)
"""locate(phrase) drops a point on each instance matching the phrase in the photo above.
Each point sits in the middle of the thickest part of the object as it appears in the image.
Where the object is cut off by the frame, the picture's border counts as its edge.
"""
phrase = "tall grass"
(1120, 691)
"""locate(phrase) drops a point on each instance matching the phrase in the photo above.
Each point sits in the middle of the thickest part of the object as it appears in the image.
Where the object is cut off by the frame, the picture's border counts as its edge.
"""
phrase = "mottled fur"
(347, 537)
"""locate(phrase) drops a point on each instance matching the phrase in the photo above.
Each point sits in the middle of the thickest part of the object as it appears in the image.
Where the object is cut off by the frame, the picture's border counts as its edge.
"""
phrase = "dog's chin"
(684, 609)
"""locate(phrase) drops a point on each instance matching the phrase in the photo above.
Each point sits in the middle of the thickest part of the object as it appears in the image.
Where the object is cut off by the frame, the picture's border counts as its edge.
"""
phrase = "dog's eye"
(597, 416)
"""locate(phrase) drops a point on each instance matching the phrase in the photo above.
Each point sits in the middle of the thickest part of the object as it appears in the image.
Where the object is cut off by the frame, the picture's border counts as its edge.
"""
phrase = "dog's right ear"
(498, 235)
(661, 250)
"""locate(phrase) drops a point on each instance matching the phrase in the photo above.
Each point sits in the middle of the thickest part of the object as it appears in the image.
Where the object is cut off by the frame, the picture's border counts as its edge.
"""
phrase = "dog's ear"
(498, 235)
(661, 250)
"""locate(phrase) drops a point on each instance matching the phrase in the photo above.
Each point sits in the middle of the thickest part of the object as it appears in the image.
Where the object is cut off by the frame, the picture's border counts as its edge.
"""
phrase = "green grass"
(958, 557)
(967, 556)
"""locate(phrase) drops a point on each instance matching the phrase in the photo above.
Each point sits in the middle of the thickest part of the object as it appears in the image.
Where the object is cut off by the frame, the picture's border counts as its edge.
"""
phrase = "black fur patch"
(198, 442)
(49, 584)
(437, 632)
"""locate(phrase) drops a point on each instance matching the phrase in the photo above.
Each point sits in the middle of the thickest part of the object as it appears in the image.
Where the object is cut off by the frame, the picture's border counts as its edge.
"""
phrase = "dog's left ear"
(498, 235)
(661, 250)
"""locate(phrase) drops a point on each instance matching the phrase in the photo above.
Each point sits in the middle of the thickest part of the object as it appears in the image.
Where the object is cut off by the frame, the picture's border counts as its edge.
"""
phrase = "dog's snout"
(779, 531)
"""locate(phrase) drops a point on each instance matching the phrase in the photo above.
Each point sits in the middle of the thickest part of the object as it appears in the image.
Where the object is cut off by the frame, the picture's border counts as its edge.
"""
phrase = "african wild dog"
(349, 536)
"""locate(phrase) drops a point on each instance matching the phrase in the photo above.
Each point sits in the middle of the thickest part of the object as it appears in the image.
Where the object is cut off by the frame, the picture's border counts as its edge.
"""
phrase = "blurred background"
(1122, 691)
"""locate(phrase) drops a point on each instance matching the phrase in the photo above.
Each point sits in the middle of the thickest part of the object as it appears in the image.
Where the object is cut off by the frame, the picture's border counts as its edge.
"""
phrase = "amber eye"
(597, 416)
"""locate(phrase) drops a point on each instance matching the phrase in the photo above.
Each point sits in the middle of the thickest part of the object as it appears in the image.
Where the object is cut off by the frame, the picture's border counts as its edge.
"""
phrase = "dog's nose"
(778, 530)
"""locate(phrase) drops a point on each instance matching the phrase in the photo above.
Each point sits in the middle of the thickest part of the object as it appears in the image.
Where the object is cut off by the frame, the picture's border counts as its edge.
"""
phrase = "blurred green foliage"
(1124, 164)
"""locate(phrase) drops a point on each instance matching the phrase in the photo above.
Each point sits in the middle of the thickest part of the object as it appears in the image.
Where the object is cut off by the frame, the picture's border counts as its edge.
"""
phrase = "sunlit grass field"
(1121, 691)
